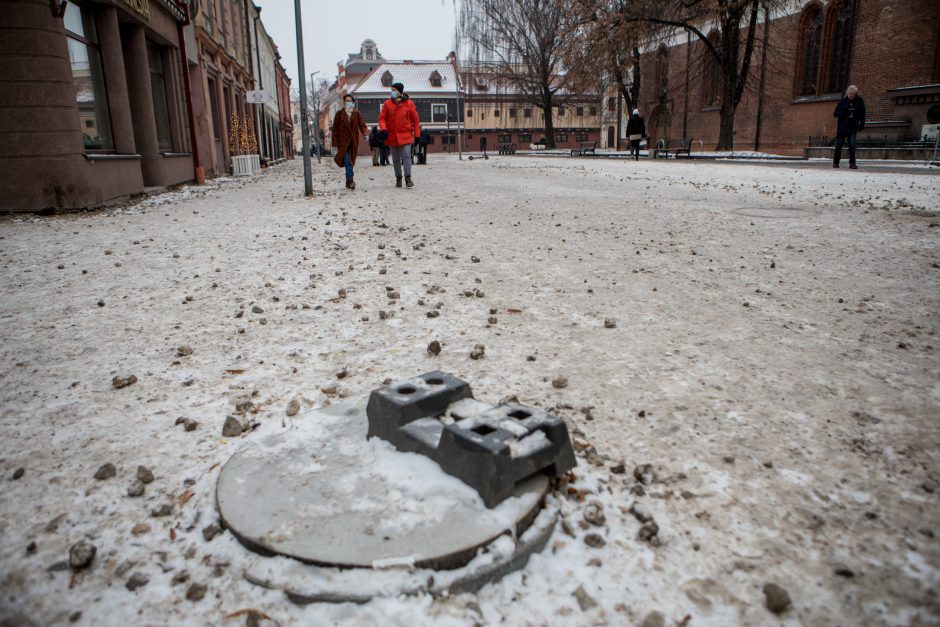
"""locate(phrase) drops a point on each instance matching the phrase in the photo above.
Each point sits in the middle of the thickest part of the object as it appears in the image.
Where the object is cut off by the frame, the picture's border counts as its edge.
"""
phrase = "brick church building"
(890, 49)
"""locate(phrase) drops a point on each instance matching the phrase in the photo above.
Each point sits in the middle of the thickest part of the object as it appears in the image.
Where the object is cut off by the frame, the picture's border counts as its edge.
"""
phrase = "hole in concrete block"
(520, 414)
(483, 429)
(406, 389)
(434, 381)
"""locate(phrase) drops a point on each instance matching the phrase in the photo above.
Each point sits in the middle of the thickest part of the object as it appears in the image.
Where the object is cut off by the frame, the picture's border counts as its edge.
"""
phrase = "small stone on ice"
(478, 352)
(610, 323)
(776, 598)
(211, 531)
(232, 427)
(560, 381)
(123, 382)
(144, 474)
(196, 592)
(106, 471)
(594, 540)
(136, 489)
(137, 580)
(184, 350)
(293, 407)
(585, 600)
(594, 514)
(81, 554)
(434, 348)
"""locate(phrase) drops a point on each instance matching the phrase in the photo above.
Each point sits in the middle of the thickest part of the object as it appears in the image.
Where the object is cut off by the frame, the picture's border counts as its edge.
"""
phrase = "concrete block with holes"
(490, 448)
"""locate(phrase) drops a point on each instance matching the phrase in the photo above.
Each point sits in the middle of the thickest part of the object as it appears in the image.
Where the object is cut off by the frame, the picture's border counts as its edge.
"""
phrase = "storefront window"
(90, 95)
(161, 112)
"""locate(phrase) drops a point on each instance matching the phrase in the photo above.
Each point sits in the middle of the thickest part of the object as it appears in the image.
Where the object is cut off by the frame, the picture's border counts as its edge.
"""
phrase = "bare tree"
(520, 42)
(727, 30)
(613, 46)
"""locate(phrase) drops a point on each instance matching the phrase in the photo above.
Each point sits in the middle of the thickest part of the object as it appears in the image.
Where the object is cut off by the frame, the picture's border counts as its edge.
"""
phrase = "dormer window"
(435, 79)
(387, 79)
(481, 84)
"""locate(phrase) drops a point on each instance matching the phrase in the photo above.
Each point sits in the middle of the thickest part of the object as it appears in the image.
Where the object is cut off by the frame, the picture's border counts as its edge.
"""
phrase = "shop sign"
(258, 97)
(140, 7)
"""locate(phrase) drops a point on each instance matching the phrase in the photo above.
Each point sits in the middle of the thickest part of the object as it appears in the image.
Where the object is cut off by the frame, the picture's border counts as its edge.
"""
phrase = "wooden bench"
(675, 147)
(584, 149)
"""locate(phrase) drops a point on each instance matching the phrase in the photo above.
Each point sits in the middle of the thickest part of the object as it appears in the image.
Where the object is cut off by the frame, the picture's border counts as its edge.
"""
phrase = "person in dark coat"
(375, 144)
(423, 142)
(348, 126)
(851, 114)
(636, 131)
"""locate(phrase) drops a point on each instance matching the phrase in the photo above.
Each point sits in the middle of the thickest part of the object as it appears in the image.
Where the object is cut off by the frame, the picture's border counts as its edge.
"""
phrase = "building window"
(496, 113)
(387, 79)
(482, 115)
(579, 111)
(711, 79)
(809, 51)
(581, 137)
(561, 110)
(438, 113)
(504, 138)
(525, 137)
(512, 113)
(611, 103)
(161, 111)
(561, 137)
(527, 113)
(592, 111)
(435, 79)
(90, 95)
(470, 113)
(841, 18)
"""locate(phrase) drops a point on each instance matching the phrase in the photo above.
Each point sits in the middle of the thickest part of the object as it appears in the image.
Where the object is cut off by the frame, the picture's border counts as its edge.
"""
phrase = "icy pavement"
(772, 356)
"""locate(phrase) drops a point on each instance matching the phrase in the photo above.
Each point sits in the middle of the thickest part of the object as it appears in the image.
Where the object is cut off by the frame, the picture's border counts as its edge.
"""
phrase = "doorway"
(610, 137)
(483, 143)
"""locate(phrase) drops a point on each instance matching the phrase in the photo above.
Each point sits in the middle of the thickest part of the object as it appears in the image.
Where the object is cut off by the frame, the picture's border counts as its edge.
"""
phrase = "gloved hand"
(383, 135)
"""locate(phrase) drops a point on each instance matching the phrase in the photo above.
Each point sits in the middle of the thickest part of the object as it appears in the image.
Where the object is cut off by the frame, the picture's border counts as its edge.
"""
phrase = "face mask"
(394, 95)
(350, 106)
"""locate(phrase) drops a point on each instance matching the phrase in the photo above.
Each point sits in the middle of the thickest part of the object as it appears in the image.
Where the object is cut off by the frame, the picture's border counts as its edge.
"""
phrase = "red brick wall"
(895, 44)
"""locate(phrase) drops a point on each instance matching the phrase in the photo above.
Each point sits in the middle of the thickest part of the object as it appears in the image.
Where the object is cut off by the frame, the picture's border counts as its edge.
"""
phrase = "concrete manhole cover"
(323, 495)
(776, 212)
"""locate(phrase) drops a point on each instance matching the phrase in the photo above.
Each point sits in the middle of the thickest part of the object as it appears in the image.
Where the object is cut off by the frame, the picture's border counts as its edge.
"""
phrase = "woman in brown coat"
(348, 125)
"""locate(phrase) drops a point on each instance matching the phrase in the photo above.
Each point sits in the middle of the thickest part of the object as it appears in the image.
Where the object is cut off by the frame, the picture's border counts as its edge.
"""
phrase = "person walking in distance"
(400, 125)
(851, 115)
(348, 126)
(375, 145)
(636, 131)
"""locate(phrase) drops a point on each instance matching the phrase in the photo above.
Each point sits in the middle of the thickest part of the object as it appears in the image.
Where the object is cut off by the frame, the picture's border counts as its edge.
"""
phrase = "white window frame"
(438, 104)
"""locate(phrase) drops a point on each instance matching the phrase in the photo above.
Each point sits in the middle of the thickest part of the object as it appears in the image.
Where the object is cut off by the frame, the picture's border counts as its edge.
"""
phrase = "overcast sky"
(403, 29)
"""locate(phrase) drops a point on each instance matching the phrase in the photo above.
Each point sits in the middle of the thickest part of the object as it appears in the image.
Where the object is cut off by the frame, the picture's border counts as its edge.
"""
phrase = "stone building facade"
(221, 80)
(890, 49)
(93, 100)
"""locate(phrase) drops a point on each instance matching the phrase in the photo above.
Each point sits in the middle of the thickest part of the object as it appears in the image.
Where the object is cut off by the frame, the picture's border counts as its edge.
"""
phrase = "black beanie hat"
(399, 87)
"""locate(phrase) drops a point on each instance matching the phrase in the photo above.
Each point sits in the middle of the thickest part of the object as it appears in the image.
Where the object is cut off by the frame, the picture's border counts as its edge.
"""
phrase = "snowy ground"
(774, 359)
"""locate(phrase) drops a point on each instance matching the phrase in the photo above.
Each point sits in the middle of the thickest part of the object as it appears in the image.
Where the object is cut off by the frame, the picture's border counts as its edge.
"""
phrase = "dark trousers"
(635, 149)
(840, 141)
(383, 155)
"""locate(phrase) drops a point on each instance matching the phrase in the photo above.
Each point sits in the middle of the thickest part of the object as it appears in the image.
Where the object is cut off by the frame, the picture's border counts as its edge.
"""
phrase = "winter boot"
(352, 183)
(409, 182)
(348, 181)
(397, 181)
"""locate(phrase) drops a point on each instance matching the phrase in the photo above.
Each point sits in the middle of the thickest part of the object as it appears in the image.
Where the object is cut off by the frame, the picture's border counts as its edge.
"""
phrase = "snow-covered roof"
(414, 75)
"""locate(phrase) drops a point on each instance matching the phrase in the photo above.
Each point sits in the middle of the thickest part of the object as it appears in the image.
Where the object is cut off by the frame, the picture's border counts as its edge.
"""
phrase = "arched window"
(840, 18)
(662, 72)
(711, 79)
(809, 51)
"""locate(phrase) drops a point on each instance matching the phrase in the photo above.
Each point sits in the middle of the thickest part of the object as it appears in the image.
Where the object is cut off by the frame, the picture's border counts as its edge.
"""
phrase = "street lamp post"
(304, 125)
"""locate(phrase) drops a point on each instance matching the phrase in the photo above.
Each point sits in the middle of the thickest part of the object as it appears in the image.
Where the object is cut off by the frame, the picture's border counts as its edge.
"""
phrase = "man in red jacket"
(399, 121)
